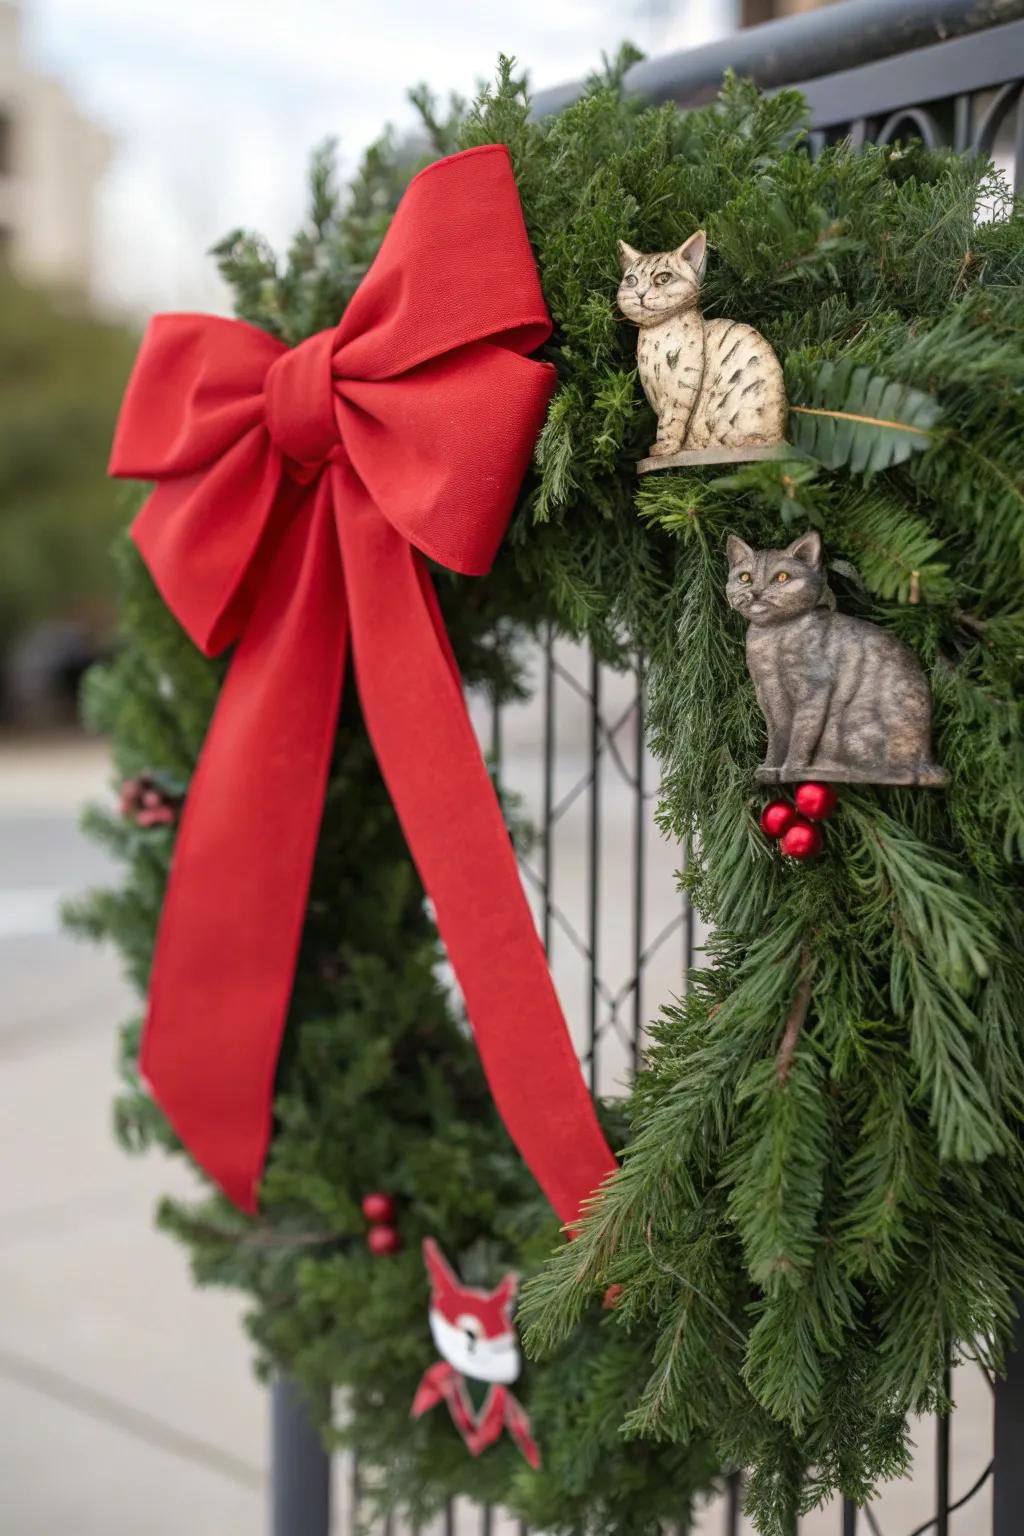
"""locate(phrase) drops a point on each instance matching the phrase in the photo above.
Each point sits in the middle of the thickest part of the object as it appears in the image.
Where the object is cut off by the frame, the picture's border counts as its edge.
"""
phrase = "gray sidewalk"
(126, 1398)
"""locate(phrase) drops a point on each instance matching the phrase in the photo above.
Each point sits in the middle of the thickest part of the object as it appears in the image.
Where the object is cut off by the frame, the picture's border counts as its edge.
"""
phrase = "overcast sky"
(215, 104)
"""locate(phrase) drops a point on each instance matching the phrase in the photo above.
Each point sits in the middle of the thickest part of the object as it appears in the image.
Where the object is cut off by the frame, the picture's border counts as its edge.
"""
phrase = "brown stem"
(795, 1019)
(970, 621)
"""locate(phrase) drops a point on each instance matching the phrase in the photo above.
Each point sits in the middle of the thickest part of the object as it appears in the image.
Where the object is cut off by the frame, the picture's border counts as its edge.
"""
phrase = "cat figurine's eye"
(661, 278)
(782, 576)
(744, 576)
(630, 280)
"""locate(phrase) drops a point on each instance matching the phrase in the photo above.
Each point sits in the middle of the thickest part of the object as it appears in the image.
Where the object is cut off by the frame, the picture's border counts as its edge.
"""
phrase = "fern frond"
(853, 417)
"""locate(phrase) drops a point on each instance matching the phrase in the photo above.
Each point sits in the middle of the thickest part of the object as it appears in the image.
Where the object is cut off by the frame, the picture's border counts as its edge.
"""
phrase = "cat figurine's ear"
(737, 551)
(695, 251)
(627, 255)
(807, 548)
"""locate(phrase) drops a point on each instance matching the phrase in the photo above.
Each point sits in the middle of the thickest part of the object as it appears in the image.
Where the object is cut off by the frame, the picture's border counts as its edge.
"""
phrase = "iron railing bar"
(859, 36)
(615, 1000)
(564, 675)
(860, 130)
(571, 796)
(662, 937)
(496, 740)
(575, 939)
(849, 1518)
(687, 923)
(300, 1493)
(628, 776)
(734, 1505)
(921, 1530)
(939, 73)
(963, 122)
(983, 137)
(942, 1448)
(922, 125)
(607, 731)
(620, 721)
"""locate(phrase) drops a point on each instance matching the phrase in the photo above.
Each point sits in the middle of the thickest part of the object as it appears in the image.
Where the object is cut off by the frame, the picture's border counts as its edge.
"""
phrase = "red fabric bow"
(296, 494)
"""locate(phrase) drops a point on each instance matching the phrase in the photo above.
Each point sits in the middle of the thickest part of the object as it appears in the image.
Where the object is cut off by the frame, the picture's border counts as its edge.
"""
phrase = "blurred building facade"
(755, 11)
(51, 159)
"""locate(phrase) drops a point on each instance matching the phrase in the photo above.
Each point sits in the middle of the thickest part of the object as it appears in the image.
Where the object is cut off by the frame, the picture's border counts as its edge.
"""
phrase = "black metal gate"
(946, 71)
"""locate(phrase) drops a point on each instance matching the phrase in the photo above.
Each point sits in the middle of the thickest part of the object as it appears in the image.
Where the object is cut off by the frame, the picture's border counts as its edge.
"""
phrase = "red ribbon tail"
(429, 756)
(236, 901)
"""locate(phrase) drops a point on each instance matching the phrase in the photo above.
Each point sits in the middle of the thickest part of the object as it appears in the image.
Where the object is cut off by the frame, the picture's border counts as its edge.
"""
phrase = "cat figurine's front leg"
(776, 711)
(804, 737)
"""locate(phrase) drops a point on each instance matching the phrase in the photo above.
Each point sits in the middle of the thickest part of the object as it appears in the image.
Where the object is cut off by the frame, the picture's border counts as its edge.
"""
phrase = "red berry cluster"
(146, 802)
(795, 826)
(379, 1210)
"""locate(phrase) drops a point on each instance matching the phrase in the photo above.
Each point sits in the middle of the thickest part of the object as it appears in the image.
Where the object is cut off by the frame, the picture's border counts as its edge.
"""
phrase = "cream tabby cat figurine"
(843, 700)
(715, 384)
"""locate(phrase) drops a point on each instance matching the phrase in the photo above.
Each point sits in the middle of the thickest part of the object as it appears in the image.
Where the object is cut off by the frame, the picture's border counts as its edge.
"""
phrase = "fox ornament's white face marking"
(472, 1329)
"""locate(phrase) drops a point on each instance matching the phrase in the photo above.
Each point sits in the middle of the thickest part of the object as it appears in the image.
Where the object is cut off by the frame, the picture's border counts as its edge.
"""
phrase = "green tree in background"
(62, 372)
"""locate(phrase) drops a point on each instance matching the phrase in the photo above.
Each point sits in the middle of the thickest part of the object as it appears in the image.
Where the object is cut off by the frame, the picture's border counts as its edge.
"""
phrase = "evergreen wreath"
(805, 1237)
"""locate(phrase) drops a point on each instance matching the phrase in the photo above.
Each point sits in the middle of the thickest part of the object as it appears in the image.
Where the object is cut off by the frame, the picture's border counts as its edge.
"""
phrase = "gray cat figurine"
(844, 701)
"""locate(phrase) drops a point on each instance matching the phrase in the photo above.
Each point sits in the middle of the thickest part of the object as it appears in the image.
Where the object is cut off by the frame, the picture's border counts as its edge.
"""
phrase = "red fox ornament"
(475, 1335)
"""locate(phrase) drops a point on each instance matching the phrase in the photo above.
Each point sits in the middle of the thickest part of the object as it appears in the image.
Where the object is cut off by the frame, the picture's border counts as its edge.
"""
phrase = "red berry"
(611, 1297)
(378, 1207)
(381, 1240)
(816, 801)
(777, 817)
(802, 841)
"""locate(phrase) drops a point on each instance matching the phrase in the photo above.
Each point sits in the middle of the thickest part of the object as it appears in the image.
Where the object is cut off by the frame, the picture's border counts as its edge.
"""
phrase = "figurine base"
(693, 456)
(928, 775)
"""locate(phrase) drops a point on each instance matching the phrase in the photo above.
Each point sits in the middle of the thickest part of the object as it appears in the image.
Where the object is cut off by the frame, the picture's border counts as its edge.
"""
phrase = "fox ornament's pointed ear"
(507, 1290)
(442, 1277)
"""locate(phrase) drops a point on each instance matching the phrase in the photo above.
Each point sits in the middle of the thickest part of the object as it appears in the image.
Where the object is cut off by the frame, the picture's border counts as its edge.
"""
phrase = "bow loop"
(426, 409)
(299, 403)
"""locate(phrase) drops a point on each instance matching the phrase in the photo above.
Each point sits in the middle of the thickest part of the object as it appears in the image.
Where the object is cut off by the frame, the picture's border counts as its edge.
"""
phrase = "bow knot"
(299, 404)
(416, 418)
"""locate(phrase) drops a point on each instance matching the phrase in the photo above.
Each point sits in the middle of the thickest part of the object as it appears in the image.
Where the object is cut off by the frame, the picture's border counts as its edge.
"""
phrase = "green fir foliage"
(803, 1242)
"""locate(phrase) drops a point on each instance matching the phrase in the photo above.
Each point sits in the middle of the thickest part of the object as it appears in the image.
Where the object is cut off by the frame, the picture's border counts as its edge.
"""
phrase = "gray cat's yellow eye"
(630, 280)
(661, 278)
(744, 576)
(782, 576)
